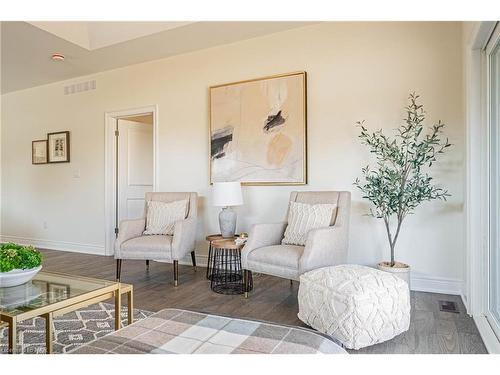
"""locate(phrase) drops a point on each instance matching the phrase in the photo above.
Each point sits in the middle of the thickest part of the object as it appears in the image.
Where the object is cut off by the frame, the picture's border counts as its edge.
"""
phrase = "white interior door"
(135, 167)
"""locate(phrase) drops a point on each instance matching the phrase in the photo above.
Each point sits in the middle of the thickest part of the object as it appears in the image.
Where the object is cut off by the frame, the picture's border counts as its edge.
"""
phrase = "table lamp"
(227, 195)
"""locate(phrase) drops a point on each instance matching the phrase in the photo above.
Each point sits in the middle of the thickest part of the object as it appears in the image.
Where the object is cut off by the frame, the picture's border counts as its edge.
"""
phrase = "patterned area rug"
(175, 331)
(71, 330)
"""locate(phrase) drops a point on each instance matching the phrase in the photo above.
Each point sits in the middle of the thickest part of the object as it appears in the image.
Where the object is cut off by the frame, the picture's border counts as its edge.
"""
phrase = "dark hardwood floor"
(273, 300)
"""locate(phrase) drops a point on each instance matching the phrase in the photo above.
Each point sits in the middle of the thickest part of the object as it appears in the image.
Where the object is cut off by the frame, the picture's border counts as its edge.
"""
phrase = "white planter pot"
(17, 277)
(400, 270)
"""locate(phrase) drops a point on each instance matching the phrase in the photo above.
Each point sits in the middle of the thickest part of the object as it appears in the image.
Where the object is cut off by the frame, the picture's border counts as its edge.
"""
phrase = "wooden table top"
(226, 244)
(215, 237)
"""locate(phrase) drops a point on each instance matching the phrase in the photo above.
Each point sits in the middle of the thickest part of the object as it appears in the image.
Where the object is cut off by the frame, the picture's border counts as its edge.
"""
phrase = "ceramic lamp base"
(227, 222)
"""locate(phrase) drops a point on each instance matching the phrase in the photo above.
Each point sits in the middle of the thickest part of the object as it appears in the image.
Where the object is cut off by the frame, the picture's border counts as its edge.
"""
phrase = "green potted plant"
(18, 264)
(399, 181)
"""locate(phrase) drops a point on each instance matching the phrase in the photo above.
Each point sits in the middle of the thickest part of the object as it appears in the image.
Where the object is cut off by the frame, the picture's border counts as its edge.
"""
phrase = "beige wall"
(355, 71)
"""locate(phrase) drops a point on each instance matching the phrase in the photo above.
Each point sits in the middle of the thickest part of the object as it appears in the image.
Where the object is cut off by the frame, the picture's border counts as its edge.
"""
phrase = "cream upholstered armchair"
(132, 244)
(326, 246)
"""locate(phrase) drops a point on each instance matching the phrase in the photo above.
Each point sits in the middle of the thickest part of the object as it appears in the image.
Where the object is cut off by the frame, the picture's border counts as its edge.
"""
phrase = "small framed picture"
(39, 152)
(58, 147)
(58, 292)
(42, 286)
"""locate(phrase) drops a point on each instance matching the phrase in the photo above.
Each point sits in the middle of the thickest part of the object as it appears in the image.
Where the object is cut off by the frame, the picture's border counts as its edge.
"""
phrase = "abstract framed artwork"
(39, 152)
(258, 131)
(58, 147)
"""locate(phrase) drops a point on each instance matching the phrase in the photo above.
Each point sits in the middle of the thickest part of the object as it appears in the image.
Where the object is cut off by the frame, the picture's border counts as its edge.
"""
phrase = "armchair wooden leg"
(193, 259)
(176, 272)
(209, 262)
(147, 265)
(118, 269)
(245, 282)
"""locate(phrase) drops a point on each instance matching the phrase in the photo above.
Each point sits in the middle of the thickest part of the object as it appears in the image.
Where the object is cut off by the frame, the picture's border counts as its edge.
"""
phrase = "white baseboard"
(418, 283)
(201, 260)
(56, 245)
(489, 338)
(436, 285)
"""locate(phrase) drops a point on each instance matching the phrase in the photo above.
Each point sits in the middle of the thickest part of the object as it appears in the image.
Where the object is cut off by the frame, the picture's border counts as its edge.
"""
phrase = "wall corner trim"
(490, 340)
(437, 285)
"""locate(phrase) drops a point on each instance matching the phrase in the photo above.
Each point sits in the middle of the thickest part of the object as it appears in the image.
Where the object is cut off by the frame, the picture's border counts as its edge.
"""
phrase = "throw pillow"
(303, 217)
(161, 216)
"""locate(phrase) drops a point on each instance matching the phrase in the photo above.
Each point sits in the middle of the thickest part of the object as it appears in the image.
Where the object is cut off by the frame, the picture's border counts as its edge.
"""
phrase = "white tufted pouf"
(357, 305)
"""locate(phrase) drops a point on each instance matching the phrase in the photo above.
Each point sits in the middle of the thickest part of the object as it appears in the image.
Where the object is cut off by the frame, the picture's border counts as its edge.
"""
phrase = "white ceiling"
(91, 47)
(94, 35)
(144, 119)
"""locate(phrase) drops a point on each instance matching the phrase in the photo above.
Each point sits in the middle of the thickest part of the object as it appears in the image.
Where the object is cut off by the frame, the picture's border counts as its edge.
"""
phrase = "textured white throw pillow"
(162, 216)
(303, 217)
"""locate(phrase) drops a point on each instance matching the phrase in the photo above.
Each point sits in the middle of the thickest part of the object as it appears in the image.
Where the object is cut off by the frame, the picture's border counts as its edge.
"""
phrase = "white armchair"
(327, 246)
(132, 244)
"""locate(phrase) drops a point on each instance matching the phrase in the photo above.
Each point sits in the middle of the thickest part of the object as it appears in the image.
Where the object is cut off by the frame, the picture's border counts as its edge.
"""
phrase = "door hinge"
(117, 133)
(116, 230)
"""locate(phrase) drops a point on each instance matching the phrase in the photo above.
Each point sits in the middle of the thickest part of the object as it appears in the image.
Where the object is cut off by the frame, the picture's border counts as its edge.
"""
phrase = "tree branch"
(397, 184)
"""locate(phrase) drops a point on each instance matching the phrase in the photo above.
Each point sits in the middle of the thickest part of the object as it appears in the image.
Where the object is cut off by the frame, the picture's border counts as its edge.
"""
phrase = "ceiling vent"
(79, 87)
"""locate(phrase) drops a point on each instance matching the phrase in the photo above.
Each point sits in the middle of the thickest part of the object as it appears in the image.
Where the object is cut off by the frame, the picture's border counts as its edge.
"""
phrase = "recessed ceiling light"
(57, 57)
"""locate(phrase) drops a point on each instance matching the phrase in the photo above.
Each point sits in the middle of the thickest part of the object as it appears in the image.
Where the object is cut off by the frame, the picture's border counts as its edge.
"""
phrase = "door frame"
(493, 42)
(110, 166)
(478, 178)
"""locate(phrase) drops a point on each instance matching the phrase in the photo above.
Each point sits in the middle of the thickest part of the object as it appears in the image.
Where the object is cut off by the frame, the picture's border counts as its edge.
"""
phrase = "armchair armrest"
(184, 237)
(324, 247)
(262, 235)
(127, 230)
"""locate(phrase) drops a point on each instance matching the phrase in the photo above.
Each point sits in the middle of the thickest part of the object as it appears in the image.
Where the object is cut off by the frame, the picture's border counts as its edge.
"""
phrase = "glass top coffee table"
(50, 294)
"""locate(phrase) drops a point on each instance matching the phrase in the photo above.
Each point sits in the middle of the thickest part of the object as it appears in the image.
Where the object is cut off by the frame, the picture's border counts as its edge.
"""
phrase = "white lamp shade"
(227, 194)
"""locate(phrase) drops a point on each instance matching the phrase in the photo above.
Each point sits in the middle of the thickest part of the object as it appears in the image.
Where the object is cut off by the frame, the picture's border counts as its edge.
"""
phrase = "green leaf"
(14, 256)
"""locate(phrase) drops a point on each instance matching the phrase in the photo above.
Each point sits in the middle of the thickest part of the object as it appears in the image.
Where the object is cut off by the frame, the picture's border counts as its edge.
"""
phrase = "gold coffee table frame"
(114, 289)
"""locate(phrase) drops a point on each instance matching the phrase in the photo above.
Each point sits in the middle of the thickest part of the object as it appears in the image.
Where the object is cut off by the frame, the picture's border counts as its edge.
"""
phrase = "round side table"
(227, 274)
(211, 238)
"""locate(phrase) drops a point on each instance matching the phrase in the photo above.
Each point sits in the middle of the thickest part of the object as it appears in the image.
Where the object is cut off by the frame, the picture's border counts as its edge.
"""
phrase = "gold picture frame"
(272, 141)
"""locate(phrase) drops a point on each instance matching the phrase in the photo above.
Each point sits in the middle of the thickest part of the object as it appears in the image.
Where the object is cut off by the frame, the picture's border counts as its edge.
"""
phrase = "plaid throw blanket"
(181, 331)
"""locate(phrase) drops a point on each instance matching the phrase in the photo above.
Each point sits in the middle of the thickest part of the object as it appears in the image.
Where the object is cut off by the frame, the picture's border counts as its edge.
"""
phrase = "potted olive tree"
(399, 181)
